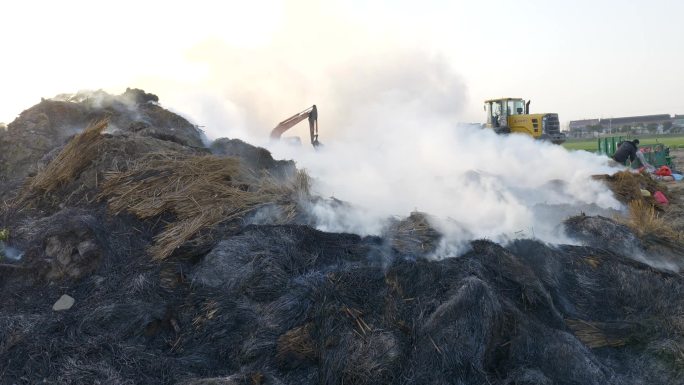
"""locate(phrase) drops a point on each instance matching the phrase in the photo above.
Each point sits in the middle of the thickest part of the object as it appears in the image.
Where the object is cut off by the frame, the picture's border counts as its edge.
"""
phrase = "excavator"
(310, 113)
(507, 115)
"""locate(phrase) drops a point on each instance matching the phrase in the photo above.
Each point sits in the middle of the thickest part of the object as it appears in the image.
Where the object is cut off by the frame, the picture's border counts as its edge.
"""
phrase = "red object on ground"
(660, 198)
(664, 171)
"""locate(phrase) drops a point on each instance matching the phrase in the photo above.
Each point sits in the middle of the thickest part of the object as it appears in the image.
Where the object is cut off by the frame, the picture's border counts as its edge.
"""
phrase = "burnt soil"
(288, 304)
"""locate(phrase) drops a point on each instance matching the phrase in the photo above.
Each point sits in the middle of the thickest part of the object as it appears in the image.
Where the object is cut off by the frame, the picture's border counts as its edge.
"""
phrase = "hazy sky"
(210, 59)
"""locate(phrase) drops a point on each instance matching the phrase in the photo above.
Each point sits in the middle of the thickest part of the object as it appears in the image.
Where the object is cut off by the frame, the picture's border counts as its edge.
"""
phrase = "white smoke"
(478, 184)
(399, 148)
(388, 104)
(392, 145)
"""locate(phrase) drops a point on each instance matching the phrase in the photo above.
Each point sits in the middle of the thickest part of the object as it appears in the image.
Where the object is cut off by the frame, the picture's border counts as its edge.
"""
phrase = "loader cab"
(493, 112)
(498, 111)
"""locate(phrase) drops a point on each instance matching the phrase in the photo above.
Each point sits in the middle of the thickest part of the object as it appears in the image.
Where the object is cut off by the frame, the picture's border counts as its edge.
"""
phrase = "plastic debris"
(664, 171)
(660, 198)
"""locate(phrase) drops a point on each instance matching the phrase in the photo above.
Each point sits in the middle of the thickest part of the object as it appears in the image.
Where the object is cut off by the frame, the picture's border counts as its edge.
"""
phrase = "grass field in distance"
(672, 141)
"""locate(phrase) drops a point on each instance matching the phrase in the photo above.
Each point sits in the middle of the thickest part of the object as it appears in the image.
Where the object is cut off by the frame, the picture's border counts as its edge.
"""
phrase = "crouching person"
(630, 151)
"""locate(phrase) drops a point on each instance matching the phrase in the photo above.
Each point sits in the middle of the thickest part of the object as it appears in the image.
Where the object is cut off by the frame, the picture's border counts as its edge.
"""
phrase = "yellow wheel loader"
(508, 115)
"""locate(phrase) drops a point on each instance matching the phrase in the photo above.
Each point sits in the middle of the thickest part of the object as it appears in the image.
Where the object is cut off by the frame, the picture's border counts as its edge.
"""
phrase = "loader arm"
(310, 113)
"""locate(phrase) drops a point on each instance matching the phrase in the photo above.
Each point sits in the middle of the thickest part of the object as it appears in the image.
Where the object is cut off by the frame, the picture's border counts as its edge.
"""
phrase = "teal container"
(608, 146)
(655, 154)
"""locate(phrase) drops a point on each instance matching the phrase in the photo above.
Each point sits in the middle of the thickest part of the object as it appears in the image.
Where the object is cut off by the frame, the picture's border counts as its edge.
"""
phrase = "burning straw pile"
(653, 224)
(627, 186)
(200, 191)
(414, 235)
(646, 217)
(645, 220)
(74, 158)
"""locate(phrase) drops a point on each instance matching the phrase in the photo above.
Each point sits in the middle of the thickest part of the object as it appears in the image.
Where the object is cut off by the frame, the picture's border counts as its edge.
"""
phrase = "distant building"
(678, 121)
(582, 128)
(581, 124)
(636, 120)
(636, 125)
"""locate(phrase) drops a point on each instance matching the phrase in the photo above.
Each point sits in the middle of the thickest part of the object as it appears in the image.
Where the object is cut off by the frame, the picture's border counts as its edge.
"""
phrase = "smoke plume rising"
(392, 144)
(398, 148)
(389, 103)
(477, 184)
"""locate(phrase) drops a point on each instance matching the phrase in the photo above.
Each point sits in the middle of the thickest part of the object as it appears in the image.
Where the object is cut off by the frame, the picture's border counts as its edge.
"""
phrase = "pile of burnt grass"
(200, 192)
(292, 305)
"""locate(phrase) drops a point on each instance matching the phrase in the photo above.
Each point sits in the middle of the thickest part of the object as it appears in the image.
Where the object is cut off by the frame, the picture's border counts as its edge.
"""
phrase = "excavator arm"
(310, 113)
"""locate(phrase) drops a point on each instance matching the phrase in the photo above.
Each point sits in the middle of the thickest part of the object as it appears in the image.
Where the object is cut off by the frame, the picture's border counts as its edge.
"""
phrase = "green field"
(672, 141)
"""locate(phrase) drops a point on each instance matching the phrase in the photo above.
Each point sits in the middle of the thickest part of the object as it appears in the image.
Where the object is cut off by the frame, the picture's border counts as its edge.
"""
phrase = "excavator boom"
(310, 113)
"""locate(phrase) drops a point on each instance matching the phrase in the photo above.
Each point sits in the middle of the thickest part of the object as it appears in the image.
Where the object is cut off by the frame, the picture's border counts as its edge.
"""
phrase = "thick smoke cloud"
(392, 145)
(388, 113)
(477, 184)
(402, 150)
(398, 148)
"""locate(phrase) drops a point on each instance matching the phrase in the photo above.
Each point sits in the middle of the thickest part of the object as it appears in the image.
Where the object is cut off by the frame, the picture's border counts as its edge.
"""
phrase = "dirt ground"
(678, 164)
(677, 158)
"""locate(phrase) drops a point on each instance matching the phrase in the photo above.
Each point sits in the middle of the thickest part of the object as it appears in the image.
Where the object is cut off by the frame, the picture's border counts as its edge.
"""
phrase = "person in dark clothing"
(627, 150)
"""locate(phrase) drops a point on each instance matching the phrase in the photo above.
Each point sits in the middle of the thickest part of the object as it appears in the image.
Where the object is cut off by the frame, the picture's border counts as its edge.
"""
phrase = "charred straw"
(200, 191)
